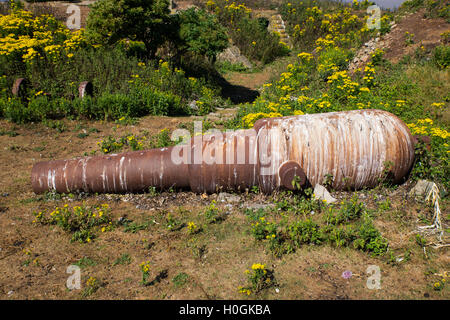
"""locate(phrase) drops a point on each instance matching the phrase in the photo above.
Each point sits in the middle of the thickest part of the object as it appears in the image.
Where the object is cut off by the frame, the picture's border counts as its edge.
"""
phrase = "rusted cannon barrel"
(356, 147)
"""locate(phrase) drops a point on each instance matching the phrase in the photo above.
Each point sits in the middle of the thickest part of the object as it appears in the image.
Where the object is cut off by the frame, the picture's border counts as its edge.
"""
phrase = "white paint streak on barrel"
(353, 146)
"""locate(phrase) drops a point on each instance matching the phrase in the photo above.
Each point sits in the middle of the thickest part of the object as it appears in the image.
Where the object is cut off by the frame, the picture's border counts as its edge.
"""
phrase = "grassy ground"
(190, 257)
(205, 265)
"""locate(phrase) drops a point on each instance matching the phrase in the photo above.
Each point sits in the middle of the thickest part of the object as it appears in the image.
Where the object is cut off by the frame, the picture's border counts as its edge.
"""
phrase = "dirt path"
(422, 32)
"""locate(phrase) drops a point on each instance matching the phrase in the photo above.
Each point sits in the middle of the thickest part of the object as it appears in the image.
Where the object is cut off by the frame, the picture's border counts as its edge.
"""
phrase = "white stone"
(228, 197)
(321, 193)
(421, 188)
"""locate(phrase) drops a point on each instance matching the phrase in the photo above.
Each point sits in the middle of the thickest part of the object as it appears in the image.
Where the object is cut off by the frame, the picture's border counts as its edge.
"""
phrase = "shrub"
(25, 39)
(160, 103)
(41, 108)
(441, 56)
(331, 60)
(114, 106)
(248, 34)
(369, 238)
(202, 33)
(257, 43)
(142, 20)
(259, 278)
(82, 222)
(14, 110)
(305, 231)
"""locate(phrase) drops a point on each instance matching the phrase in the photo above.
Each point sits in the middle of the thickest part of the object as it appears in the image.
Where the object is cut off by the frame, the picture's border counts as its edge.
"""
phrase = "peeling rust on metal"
(354, 147)
(19, 87)
(85, 89)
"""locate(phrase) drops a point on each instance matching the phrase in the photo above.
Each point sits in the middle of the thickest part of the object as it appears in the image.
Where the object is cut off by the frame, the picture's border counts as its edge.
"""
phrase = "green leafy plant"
(441, 56)
(146, 272)
(124, 259)
(144, 20)
(180, 279)
(92, 285)
(202, 33)
(81, 221)
(212, 213)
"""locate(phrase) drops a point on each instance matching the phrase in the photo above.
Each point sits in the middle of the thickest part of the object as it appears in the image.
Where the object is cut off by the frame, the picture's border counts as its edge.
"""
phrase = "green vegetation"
(247, 32)
(202, 33)
(82, 221)
(345, 225)
(110, 21)
(320, 82)
(180, 279)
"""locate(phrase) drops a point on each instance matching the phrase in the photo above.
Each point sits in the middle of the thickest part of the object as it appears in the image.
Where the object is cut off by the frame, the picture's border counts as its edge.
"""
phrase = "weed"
(212, 213)
(82, 221)
(55, 124)
(409, 38)
(10, 133)
(172, 223)
(124, 259)
(82, 135)
(305, 231)
(85, 262)
(145, 270)
(259, 278)
(152, 191)
(192, 228)
(349, 211)
(369, 238)
(180, 279)
(328, 180)
(421, 241)
(133, 227)
(92, 285)
(384, 205)
(254, 215)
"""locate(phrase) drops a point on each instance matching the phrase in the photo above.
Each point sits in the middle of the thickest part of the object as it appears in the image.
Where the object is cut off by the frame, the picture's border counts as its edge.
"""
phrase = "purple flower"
(346, 274)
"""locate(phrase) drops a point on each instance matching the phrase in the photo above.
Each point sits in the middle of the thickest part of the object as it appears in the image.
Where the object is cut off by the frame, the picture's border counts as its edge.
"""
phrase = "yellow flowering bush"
(250, 119)
(425, 127)
(335, 25)
(320, 82)
(247, 33)
(145, 270)
(259, 278)
(192, 227)
(26, 38)
(81, 221)
(92, 285)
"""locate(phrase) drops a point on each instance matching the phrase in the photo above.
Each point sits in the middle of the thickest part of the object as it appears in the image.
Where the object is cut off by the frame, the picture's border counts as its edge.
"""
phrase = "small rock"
(421, 188)
(10, 292)
(234, 56)
(321, 193)
(228, 197)
(193, 105)
(257, 206)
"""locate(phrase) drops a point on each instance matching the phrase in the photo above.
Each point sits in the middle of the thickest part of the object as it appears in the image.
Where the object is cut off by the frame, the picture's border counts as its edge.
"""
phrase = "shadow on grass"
(162, 275)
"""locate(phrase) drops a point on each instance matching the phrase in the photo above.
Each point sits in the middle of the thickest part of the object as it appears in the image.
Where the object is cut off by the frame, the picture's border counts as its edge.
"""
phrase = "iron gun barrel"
(357, 148)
